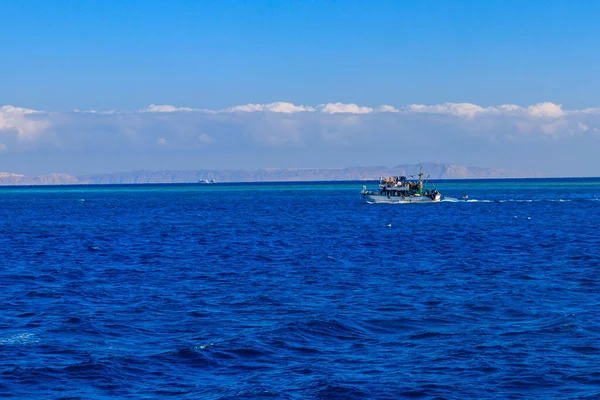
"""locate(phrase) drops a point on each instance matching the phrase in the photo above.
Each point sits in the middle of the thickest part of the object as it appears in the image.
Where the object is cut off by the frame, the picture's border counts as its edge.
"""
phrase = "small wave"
(19, 339)
(586, 349)
(255, 394)
(47, 293)
(247, 352)
(193, 356)
(428, 335)
(415, 394)
(334, 390)
(324, 329)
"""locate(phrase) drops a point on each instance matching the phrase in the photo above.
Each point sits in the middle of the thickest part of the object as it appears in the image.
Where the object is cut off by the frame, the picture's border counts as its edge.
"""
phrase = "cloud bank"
(542, 137)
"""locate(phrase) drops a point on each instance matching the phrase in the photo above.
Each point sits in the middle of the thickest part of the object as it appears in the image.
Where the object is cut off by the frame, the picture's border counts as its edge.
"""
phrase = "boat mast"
(421, 180)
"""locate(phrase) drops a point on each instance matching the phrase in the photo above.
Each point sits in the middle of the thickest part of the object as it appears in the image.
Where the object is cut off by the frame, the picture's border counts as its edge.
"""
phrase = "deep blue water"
(300, 292)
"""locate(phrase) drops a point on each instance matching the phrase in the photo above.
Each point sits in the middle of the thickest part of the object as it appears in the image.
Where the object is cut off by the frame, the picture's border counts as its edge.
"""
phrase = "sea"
(300, 291)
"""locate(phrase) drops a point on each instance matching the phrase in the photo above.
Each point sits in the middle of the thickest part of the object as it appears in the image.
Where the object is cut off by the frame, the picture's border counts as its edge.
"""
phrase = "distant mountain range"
(435, 171)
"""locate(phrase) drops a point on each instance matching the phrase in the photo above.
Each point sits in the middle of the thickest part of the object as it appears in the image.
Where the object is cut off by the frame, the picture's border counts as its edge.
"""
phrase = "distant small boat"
(464, 197)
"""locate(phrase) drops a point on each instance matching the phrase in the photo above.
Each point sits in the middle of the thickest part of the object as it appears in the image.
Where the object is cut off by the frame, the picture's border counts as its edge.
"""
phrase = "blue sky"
(60, 56)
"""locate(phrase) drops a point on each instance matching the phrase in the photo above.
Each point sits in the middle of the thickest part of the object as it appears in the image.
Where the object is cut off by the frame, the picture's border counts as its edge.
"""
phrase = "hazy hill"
(7, 178)
(436, 171)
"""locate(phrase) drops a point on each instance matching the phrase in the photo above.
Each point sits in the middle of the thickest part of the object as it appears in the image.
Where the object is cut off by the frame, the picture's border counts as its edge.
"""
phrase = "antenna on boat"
(427, 179)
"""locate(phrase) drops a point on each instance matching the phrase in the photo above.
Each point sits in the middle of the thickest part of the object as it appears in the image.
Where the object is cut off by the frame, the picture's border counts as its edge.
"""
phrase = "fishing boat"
(399, 189)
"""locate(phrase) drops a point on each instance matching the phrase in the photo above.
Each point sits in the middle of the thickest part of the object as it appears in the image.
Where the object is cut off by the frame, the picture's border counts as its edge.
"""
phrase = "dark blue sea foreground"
(300, 292)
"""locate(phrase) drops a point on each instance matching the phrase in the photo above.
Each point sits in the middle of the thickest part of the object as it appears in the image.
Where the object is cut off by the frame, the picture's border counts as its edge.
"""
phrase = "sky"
(106, 86)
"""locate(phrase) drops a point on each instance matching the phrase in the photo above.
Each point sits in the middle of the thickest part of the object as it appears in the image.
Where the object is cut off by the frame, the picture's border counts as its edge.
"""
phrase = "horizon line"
(282, 182)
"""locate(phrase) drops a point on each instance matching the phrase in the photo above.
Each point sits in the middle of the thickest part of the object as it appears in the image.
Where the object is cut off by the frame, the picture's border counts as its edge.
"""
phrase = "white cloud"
(334, 108)
(165, 108)
(466, 110)
(556, 127)
(24, 121)
(457, 109)
(469, 110)
(17, 110)
(386, 108)
(550, 110)
(278, 107)
(585, 111)
(341, 134)
(330, 108)
(286, 123)
(540, 110)
(506, 108)
(95, 111)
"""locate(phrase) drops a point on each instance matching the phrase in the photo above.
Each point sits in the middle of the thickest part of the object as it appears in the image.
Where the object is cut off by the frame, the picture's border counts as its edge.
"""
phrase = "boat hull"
(374, 198)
